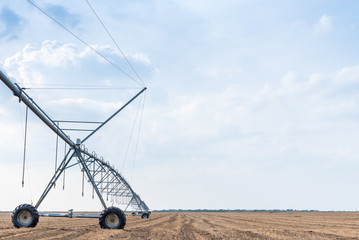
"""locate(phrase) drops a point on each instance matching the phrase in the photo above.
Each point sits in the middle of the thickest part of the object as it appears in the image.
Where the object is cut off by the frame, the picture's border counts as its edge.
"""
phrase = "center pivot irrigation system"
(105, 180)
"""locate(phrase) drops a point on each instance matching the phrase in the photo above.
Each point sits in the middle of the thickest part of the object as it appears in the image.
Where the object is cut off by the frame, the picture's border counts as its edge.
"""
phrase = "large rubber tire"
(25, 216)
(145, 216)
(112, 218)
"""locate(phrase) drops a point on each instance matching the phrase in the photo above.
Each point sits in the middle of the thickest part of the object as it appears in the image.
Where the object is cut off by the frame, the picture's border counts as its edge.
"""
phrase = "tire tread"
(31, 209)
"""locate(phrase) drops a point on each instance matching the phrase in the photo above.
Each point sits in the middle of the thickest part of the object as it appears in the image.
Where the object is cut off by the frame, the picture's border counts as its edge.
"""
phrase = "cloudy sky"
(250, 104)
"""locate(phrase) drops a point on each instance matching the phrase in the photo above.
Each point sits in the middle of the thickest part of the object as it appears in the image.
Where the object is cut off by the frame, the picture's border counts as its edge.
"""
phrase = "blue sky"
(250, 104)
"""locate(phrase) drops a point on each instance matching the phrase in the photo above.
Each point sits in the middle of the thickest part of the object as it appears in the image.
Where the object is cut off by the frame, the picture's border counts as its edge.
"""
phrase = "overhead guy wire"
(73, 86)
(103, 25)
(138, 135)
(78, 38)
(130, 139)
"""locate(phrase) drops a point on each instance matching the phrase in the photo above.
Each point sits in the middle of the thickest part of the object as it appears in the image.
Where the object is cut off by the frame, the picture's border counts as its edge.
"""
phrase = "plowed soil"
(242, 225)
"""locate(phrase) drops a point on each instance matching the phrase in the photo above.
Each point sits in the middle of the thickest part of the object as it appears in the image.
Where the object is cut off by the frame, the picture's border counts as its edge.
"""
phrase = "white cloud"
(142, 58)
(324, 25)
(51, 53)
(275, 118)
(29, 65)
(25, 65)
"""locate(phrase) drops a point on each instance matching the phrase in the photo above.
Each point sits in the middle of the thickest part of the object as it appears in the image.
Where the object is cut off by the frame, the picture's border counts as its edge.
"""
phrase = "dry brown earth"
(251, 225)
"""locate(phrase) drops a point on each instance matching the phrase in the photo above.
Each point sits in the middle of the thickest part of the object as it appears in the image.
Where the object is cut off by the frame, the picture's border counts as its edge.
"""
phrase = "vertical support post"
(63, 180)
(56, 150)
(107, 186)
(93, 174)
(83, 181)
(101, 186)
(25, 140)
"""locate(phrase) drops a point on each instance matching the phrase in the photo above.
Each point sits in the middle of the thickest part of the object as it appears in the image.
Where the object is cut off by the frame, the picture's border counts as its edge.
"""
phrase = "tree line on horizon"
(234, 210)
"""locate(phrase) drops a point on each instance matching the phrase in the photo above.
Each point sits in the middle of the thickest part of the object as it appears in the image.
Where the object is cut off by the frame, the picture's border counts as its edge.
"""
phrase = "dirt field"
(293, 225)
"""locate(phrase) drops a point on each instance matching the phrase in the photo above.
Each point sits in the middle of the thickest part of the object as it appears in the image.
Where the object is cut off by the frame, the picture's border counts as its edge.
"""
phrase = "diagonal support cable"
(118, 47)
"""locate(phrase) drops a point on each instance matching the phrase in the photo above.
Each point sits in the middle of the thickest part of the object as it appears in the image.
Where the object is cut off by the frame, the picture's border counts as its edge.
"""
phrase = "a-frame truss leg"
(57, 174)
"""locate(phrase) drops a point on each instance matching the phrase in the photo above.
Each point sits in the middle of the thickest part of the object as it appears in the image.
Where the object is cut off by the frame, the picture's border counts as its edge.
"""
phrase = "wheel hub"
(112, 220)
(24, 217)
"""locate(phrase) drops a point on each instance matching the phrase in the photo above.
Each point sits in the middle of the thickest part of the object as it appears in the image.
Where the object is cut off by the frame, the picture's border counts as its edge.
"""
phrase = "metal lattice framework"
(105, 179)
